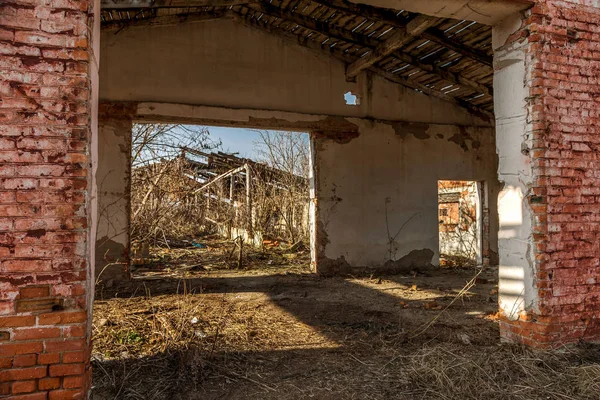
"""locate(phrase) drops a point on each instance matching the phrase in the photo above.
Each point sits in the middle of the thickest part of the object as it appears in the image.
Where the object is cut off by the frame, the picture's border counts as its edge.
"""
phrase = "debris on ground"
(280, 332)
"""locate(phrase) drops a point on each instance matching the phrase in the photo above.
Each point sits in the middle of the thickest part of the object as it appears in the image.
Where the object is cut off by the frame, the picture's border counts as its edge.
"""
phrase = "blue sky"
(235, 140)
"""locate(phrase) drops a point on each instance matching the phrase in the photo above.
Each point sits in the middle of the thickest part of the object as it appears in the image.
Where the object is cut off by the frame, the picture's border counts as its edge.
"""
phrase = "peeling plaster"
(401, 162)
(113, 182)
(240, 68)
(404, 129)
(517, 290)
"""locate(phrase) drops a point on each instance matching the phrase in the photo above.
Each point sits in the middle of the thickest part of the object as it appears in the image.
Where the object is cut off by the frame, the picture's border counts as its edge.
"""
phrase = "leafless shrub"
(167, 201)
(163, 201)
(282, 197)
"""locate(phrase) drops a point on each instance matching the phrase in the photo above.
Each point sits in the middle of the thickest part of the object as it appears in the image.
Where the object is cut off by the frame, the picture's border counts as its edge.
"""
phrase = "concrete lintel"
(257, 119)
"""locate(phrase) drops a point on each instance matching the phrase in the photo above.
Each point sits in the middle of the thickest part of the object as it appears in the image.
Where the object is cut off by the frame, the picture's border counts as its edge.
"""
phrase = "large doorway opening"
(209, 199)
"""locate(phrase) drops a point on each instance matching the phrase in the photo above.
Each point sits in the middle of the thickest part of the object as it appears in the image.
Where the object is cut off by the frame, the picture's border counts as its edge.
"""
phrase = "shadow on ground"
(298, 336)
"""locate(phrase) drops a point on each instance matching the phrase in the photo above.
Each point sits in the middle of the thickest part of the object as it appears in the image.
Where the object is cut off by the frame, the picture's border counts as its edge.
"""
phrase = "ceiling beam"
(437, 36)
(344, 57)
(366, 42)
(314, 25)
(398, 39)
(389, 17)
(384, 15)
(307, 23)
(132, 4)
(164, 20)
(488, 12)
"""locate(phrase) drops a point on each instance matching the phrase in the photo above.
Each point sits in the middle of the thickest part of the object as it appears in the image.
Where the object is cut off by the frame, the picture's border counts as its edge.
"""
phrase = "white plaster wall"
(517, 275)
(112, 182)
(391, 165)
(223, 63)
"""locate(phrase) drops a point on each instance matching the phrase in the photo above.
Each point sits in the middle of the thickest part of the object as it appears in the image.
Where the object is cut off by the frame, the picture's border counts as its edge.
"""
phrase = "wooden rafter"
(437, 36)
(402, 36)
(424, 75)
(132, 4)
(449, 76)
(163, 20)
(366, 42)
(314, 25)
(374, 13)
(334, 52)
(389, 18)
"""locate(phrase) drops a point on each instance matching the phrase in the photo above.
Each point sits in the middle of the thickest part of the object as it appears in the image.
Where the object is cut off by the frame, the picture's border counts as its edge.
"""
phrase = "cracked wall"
(382, 184)
(247, 78)
(235, 66)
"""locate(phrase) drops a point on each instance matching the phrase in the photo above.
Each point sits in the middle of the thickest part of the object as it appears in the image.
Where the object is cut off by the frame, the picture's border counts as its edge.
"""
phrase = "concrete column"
(517, 292)
(547, 128)
(113, 179)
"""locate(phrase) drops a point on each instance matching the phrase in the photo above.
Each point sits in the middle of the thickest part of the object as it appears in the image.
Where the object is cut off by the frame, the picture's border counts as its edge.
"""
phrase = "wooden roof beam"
(314, 25)
(400, 38)
(367, 42)
(164, 20)
(388, 17)
(437, 36)
(132, 4)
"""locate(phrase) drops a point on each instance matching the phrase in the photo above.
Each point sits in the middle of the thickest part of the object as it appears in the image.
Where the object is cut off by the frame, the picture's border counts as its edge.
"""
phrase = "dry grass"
(245, 346)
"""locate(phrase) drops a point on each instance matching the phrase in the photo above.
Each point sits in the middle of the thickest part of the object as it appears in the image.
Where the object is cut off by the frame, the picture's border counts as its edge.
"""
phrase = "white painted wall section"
(515, 241)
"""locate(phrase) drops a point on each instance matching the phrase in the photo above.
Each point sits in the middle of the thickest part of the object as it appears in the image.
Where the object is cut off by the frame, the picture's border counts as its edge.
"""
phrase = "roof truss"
(442, 58)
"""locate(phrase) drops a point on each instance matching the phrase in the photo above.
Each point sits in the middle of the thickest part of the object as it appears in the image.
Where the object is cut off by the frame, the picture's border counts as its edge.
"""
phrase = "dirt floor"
(193, 327)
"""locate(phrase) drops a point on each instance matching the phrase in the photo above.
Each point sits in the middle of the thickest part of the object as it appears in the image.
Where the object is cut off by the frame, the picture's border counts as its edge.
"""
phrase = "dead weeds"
(226, 336)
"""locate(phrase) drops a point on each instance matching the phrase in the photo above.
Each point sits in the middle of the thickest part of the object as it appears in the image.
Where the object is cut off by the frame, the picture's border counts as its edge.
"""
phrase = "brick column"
(548, 128)
(45, 112)
(113, 180)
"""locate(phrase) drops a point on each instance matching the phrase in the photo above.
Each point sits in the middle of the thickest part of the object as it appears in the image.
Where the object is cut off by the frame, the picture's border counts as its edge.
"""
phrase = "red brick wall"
(44, 171)
(564, 111)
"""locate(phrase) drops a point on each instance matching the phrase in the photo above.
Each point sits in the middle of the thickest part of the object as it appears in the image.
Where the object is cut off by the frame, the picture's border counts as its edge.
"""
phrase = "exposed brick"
(4, 389)
(36, 333)
(45, 104)
(65, 345)
(11, 349)
(24, 387)
(74, 331)
(32, 292)
(49, 383)
(19, 374)
(73, 382)
(49, 358)
(33, 305)
(32, 396)
(5, 362)
(67, 369)
(16, 321)
(74, 357)
(25, 360)
(67, 394)
(59, 318)
(562, 110)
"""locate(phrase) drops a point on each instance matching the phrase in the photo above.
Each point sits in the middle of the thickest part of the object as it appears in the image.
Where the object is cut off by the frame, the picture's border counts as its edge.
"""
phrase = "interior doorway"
(460, 224)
